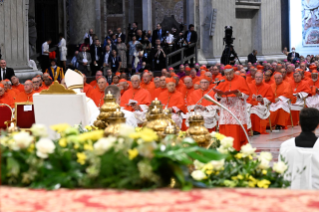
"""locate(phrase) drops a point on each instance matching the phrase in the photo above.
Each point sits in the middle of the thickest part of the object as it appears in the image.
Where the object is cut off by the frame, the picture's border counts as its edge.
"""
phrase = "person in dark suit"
(252, 57)
(157, 34)
(120, 34)
(109, 76)
(309, 121)
(293, 56)
(96, 56)
(190, 37)
(132, 30)
(5, 72)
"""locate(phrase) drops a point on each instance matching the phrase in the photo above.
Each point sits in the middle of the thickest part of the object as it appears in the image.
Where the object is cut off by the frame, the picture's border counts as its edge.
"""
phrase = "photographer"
(159, 58)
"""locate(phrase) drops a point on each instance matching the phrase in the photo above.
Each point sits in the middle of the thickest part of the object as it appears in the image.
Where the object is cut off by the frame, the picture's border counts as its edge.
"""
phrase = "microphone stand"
(207, 97)
(217, 83)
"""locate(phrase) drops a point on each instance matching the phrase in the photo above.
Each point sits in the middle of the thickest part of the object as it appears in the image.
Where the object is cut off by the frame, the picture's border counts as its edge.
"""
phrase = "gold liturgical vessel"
(115, 120)
(107, 109)
(198, 131)
(160, 120)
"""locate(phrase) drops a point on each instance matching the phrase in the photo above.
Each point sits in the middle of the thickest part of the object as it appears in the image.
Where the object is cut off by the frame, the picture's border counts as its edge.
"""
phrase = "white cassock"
(210, 115)
(130, 117)
(298, 158)
(177, 118)
(260, 110)
(140, 115)
(313, 101)
(299, 104)
(93, 110)
(283, 103)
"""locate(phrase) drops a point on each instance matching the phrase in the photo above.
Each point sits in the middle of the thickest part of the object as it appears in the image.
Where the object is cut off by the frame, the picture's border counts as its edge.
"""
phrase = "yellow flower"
(217, 173)
(81, 157)
(240, 177)
(31, 148)
(234, 178)
(138, 129)
(63, 142)
(76, 146)
(264, 172)
(263, 183)
(94, 135)
(148, 135)
(219, 136)
(88, 128)
(60, 127)
(132, 153)
(250, 157)
(88, 146)
(251, 184)
(239, 155)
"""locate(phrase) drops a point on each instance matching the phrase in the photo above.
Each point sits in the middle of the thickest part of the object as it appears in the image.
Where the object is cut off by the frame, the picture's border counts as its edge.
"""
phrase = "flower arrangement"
(240, 169)
(134, 159)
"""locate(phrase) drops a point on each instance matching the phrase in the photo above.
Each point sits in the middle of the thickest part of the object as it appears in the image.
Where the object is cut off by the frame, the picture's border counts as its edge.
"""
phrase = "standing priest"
(233, 94)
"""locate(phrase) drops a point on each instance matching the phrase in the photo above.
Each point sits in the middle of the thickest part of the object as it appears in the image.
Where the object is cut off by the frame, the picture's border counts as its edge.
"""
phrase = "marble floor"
(272, 141)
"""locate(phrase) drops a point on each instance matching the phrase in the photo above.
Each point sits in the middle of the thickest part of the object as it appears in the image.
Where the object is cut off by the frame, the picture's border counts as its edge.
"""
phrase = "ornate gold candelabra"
(198, 131)
(107, 109)
(115, 120)
(159, 119)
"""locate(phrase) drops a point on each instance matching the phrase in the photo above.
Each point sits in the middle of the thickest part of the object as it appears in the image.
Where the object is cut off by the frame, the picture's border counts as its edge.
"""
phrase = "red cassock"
(228, 125)
(93, 83)
(313, 86)
(97, 96)
(302, 86)
(24, 97)
(158, 92)
(150, 87)
(19, 87)
(264, 90)
(175, 98)
(270, 82)
(218, 76)
(141, 95)
(280, 116)
(7, 99)
(87, 88)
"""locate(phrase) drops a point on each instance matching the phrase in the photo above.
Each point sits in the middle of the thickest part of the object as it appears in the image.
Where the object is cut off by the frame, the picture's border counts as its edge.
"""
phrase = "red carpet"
(224, 200)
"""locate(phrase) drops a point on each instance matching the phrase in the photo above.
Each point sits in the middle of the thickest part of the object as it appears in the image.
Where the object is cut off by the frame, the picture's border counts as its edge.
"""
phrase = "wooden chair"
(6, 116)
(24, 115)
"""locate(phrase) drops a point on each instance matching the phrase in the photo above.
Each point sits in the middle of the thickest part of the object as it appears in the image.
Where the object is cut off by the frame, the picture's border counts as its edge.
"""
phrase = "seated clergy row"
(257, 99)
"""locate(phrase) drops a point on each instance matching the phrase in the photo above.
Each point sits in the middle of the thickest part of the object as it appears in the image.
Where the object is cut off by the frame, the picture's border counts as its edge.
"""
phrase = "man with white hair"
(313, 101)
(136, 99)
(233, 94)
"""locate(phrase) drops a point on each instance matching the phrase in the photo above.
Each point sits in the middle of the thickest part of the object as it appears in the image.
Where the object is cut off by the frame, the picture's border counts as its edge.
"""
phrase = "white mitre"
(74, 81)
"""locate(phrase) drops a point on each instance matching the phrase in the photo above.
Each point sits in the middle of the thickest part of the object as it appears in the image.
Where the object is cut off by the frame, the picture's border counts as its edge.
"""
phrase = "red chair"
(6, 114)
(24, 115)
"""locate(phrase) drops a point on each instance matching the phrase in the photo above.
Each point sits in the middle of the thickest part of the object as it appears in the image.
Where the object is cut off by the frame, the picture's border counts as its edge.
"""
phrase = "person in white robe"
(74, 81)
(301, 153)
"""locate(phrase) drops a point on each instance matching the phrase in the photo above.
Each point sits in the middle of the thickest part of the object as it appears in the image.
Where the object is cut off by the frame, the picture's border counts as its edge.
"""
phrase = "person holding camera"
(159, 58)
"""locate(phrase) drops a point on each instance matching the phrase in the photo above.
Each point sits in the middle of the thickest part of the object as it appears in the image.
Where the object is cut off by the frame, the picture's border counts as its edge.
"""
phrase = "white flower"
(218, 164)
(247, 150)
(265, 156)
(39, 130)
(104, 144)
(44, 146)
(227, 142)
(22, 140)
(264, 164)
(188, 140)
(126, 130)
(222, 150)
(198, 164)
(198, 175)
(280, 167)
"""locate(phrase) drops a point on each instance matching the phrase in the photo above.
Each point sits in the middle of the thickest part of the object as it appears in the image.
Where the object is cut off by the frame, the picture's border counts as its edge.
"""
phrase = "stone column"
(82, 18)
(147, 15)
(14, 37)
(190, 12)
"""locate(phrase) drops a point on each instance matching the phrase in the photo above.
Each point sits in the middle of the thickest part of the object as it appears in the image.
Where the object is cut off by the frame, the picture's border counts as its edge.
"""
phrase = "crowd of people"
(262, 95)
(135, 52)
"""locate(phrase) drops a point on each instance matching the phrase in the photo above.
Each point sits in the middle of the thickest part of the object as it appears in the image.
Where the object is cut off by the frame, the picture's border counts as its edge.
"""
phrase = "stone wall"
(162, 8)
